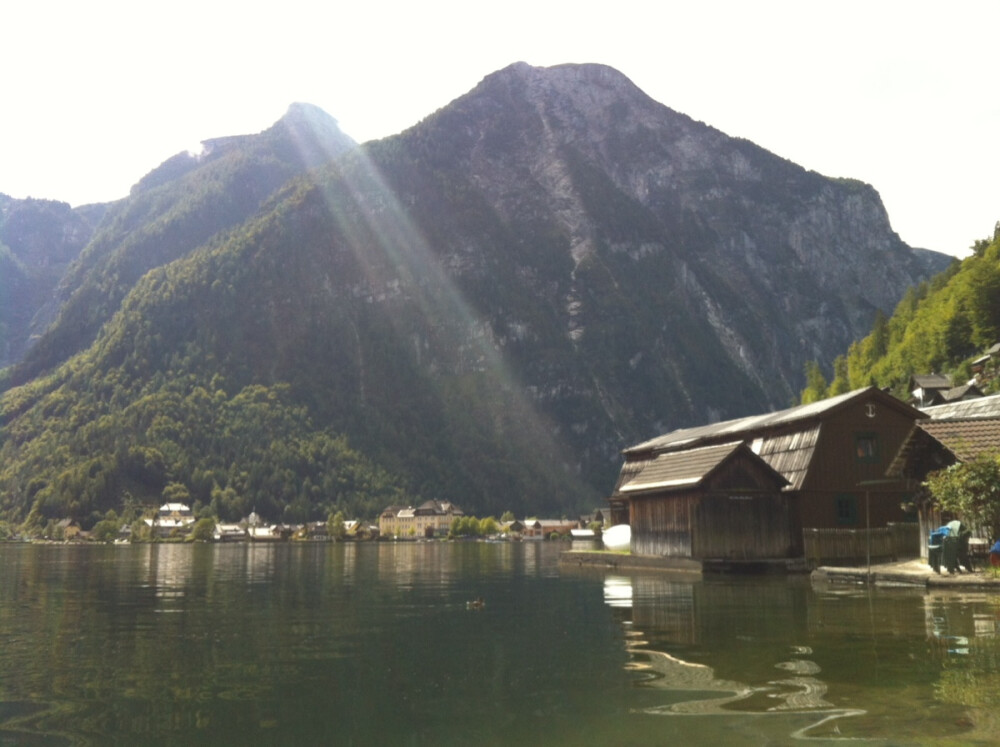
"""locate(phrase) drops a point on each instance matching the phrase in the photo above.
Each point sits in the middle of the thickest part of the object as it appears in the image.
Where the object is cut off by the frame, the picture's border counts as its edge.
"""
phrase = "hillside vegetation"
(940, 326)
(484, 309)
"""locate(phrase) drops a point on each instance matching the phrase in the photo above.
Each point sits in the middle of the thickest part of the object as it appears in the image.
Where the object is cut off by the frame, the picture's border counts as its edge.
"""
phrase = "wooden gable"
(719, 501)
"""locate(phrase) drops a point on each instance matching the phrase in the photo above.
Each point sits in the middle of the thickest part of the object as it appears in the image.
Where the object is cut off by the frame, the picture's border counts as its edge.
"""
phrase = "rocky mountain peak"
(493, 302)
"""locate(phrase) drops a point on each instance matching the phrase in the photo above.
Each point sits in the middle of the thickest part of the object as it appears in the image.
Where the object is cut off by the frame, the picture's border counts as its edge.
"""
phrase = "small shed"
(955, 432)
(715, 502)
(927, 389)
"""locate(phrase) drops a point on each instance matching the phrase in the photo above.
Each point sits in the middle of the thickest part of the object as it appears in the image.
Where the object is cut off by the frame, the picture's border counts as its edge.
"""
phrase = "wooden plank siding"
(892, 542)
(662, 527)
(736, 512)
(837, 474)
(721, 523)
(821, 465)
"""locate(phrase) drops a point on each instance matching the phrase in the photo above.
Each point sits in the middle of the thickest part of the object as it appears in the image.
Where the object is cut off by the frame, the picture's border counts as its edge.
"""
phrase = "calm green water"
(374, 644)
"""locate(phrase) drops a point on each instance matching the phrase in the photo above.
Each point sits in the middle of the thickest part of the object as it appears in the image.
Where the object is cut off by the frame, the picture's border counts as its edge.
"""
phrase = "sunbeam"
(404, 277)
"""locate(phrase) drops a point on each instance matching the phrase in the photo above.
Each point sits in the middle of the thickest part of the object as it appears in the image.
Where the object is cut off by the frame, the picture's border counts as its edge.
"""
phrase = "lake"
(372, 644)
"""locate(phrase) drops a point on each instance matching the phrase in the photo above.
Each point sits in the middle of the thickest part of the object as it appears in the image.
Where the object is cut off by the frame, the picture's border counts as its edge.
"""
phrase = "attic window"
(866, 447)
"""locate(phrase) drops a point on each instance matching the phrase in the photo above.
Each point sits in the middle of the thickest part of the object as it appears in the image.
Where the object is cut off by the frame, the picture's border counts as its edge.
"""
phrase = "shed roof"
(789, 453)
(966, 438)
(930, 381)
(966, 391)
(757, 425)
(679, 469)
(971, 408)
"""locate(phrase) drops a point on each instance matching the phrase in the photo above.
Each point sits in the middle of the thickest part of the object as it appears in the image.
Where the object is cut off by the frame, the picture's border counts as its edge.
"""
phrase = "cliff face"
(489, 305)
(38, 241)
(771, 264)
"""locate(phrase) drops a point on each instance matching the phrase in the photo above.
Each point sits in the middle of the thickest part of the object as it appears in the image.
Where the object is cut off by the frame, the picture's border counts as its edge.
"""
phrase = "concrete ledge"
(907, 573)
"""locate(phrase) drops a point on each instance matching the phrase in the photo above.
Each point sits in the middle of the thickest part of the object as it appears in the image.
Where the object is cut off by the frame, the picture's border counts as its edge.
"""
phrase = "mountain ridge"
(488, 306)
(172, 210)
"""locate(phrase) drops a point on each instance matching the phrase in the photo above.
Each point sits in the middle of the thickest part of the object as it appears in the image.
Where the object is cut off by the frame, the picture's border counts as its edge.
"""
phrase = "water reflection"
(667, 607)
(836, 662)
(374, 644)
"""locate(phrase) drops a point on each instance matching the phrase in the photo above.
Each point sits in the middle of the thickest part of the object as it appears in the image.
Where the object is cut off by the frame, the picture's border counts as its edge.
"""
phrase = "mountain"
(484, 309)
(942, 326)
(38, 240)
(180, 205)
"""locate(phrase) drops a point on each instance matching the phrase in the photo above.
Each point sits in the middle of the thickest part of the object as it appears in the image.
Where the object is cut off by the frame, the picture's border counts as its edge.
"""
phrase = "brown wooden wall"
(746, 527)
(737, 513)
(819, 508)
(661, 525)
(837, 471)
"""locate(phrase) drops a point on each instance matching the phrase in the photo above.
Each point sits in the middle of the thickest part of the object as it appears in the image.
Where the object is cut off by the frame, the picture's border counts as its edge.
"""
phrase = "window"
(866, 447)
(846, 507)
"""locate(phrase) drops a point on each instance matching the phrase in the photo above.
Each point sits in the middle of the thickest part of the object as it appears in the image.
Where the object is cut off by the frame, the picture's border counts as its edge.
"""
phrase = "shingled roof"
(785, 440)
(966, 438)
(683, 469)
(749, 427)
(965, 430)
(981, 407)
(930, 381)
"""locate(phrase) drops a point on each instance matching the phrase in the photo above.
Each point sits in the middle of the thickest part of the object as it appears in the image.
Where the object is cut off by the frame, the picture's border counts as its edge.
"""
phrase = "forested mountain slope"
(174, 209)
(485, 308)
(939, 326)
(38, 241)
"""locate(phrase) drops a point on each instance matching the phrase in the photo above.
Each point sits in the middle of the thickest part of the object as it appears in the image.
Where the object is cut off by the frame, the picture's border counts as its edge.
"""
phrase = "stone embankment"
(909, 573)
(914, 573)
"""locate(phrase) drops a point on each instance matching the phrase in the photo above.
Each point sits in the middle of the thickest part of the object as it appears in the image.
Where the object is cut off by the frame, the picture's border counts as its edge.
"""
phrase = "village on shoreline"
(431, 520)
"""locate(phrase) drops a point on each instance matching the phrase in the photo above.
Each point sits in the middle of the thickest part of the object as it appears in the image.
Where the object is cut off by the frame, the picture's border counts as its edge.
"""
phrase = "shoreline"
(909, 573)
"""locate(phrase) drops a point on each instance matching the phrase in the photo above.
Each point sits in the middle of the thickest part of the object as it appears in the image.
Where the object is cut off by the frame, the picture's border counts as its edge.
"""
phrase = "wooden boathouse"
(719, 501)
(746, 488)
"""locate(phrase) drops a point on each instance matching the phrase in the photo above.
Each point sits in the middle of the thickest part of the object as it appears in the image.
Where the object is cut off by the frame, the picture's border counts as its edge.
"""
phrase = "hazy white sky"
(900, 94)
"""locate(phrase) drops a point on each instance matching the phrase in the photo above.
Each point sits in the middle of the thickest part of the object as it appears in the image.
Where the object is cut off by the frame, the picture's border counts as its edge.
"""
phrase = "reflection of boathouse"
(668, 620)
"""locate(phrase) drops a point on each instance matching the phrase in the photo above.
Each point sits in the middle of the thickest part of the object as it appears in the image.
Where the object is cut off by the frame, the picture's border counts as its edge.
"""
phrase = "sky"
(901, 95)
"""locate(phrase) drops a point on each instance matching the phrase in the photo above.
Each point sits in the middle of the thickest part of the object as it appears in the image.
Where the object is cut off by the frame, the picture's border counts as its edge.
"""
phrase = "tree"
(970, 489)
(841, 383)
(815, 384)
(465, 526)
(203, 530)
(335, 526)
(489, 526)
(106, 530)
(176, 492)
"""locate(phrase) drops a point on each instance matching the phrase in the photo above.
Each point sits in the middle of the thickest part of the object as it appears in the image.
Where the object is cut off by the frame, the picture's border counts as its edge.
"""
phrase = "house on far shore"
(745, 488)
(229, 533)
(172, 519)
(429, 519)
(597, 516)
(513, 528)
(536, 529)
(928, 390)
